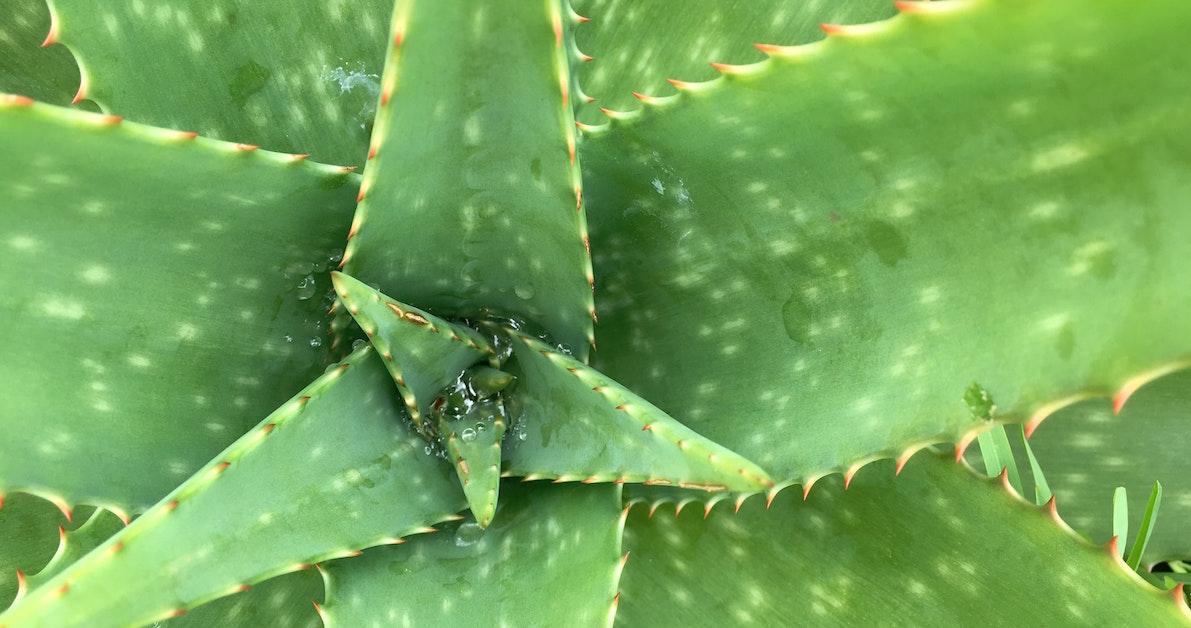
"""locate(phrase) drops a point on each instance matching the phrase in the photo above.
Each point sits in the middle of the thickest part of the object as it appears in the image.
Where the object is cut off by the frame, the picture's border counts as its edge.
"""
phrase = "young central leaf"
(471, 203)
(574, 423)
(423, 353)
(471, 423)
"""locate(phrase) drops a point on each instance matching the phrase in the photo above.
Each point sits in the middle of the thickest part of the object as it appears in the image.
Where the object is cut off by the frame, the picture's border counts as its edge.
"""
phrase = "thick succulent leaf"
(638, 45)
(296, 77)
(1087, 452)
(334, 470)
(817, 280)
(474, 449)
(471, 204)
(162, 302)
(573, 423)
(75, 544)
(423, 353)
(551, 557)
(936, 546)
(28, 537)
(281, 602)
(26, 67)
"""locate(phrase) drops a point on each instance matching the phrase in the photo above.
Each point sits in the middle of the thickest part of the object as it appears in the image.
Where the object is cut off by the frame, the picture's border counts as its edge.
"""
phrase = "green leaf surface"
(28, 538)
(74, 544)
(472, 203)
(1042, 492)
(1120, 516)
(550, 558)
(161, 298)
(334, 470)
(295, 77)
(281, 602)
(934, 546)
(572, 423)
(1087, 452)
(423, 353)
(638, 45)
(811, 259)
(26, 67)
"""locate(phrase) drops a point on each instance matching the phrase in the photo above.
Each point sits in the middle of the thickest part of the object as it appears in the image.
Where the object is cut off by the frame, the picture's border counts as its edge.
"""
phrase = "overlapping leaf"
(334, 470)
(292, 77)
(472, 205)
(638, 45)
(26, 68)
(28, 538)
(161, 297)
(551, 557)
(935, 546)
(573, 423)
(813, 259)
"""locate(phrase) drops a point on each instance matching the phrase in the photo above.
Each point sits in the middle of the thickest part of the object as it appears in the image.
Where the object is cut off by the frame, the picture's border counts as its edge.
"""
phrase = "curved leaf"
(293, 77)
(811, 260)
(936, 546)
(28, 537)
(75, 544)
(281, 602)
(638, 45)
(551, 557)
(471, 204)
(334, 470)
(162, 297)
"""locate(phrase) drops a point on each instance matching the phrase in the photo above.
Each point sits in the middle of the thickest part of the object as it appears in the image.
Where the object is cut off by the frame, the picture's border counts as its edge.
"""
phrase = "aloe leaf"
(29, 533)
(935, 546)
(28, 68)
(471, 204)
(551, 557)
(167, 295)
(473, 443)
(829, 292)
(75, 544)
(281, 602)
(1088, 451)
(637, 45)
(423, 353)
(334, 470)
(291, 77)
(572, 423)
(1149, 520)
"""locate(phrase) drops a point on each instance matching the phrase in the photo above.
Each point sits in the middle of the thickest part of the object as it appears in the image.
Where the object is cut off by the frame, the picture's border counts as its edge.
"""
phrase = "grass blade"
(1042, 493)
(1120, 515)
(1148, 521)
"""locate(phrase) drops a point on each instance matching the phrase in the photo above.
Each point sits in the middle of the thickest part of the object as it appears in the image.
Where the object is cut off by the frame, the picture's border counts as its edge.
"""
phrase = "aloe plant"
(527, 313)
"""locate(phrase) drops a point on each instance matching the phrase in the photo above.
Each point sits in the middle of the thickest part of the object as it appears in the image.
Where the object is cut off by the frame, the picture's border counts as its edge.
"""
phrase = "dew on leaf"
(306, 288)
(468, 534)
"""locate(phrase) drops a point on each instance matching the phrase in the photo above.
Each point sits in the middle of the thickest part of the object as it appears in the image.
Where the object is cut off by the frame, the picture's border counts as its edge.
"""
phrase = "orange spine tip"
(248, 148)
(347, 169)
(832, 29)
(384, 98)
(321, 613)
(360, 196)
(585, 57)
(740, 502)
(64, 508)
(399, 38)
(806, 489)
(372, 153)
(768, 48)
(300, 156)
(171, 505)
(680, 85)
(187, 135)
(242, 588)
(642, 97)
(51, 37)
(79, 95)
(111, 119)
(906, 7)
(707, 509)
(583, 19)
(177, 612)
(22, 585)
(18, 101)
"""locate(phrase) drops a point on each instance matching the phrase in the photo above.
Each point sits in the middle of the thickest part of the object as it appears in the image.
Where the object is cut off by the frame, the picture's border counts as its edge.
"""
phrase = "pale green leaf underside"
(573, 423)
(153, 304)
(45, 74)
(334, 470)
(470, 203)
(812, 261)
(935, 546)
(295, 77)
(423, 353)
(1087, 452)
(550, 558)
(638, 45)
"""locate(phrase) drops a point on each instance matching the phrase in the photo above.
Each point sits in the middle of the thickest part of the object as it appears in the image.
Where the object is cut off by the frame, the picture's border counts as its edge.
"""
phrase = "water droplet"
(480, 427)
(468, 534)
(316, 342)
(524, 292)
(289, 338)
(429, 450)
(335, 258)
(306, 288)
(357, 343)
(468, 434)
